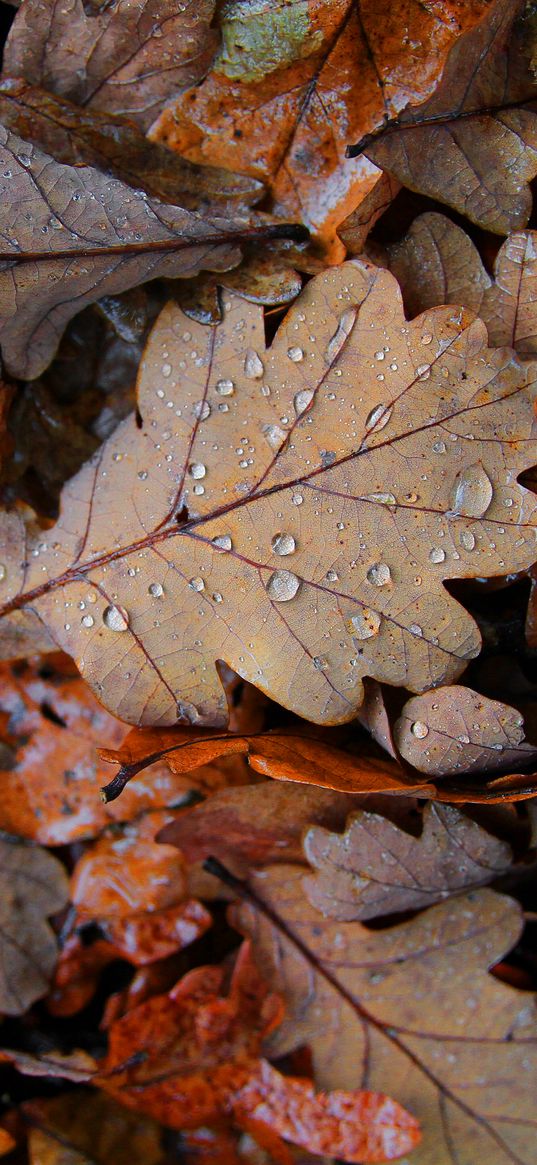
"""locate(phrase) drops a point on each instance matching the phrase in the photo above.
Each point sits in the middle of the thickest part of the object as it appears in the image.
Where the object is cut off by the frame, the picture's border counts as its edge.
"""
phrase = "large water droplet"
(472, 492)
(295, 354)
(274, 436)
(225, 387)
(87, 620)
(302, 400)
(156, 590)
(385, 499)
(338, 339)
(467, 539)
(282, 586)
(379, 574)
(197, 470)
(437, 554)
(419, 729)
(115, 618)
(253, 367)
(378, 417)
(197, 584)
(283, 544)
(366, 624)
(223, 542)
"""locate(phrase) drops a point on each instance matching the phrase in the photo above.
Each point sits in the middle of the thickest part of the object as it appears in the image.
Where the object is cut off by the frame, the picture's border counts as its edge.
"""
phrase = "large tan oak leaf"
(292, 511)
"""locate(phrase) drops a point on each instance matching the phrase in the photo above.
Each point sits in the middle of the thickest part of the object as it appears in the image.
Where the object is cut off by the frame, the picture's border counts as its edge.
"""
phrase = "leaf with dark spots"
(128, 58)
(34, 886)
(302, 578)
(473, 144)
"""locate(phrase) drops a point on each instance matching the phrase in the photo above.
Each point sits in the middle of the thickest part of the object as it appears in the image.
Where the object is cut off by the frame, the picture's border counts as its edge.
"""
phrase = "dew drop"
(320, 662)
(385, 499)
(225, 387)
(253, 366)
(415, 629)
(297, 499)
(197, 584)
(223, 542)
(332, 575)
(419, 729)
(426, 339)
(197, 470)
(166, 370)
(295, 354)
(423, 371)
(378, 417)
(437, 554)
(274, 436)
(217, 597)
(156, 590)
(379, 574)
(282, 586)
(115, 618)
(143, 475)
(472, 492)
(283, 544)
(87, 620)
(338, 339)
(467, 539)
(302, 400)
(202, 410)
(379, 355)
(366, 624)
(439, 447)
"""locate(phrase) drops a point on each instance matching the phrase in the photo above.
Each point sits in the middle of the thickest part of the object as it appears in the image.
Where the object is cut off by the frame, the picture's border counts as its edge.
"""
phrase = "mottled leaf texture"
(192, 1057)
(437, 263)
(127, 58)
(292, 84)
(292, 511)
(71, 235)
(33, 885)
(375, 867)
(411, 1008)
(473, 145)
(456, 730)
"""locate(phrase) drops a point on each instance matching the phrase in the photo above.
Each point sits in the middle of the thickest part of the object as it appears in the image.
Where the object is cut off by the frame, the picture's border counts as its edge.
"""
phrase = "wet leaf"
(375, 867)
(456, 730)
(314, 553)
(201, 1062)
(83, 1128)
(473, 144)
(34, 886)
(292, 84)
(410, 1007)
(125, 58)
(437, 263)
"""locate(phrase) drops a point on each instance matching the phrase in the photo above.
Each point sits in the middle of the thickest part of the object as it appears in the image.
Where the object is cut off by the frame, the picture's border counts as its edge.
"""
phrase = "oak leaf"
(34, 886)
(473, 144)
(84, 1128)
(125, 58)
(375, 867)
(507, 304)
(193, 1056)
(310, 554)
(292, 84)
(410, 1007)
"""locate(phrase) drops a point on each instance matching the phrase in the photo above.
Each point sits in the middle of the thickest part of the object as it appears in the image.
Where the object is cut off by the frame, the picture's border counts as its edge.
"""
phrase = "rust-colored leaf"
(83, 1128)
(33, 886)
(126, 58)
(455, 730)
(382, 458)
(192, 1056)
(410, 1008)
(292, 84)
(375, 867)
(473, 144)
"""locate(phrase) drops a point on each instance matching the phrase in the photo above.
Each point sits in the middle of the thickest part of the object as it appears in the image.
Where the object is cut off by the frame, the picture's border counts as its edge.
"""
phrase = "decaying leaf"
(375, 867)
(293, 510)
(127, 58)
(193, 1056)
(292, 84)
(411, 1008)
(473, 144)
(33, 886)
(456, 730)
(85, 1128)
(72, 235)
(438, 263)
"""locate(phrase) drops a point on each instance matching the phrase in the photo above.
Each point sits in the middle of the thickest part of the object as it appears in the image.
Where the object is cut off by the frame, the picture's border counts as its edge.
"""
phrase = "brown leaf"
(410, 1008)
(33, 886)
(316, 554)
(473, 144)
(192, 1056)
(455, 730)
(375, 867)
(84, 1128)
(455, 274)
(127, 58)
(292, 84)
(77, 1066)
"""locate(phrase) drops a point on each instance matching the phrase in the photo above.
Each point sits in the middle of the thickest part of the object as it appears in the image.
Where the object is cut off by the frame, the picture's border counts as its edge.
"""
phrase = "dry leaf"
(34, 885)
(437, 263)
(410, 1008)
(375, 867)
(77, 1066)
(472, 145)
(84, 1128)
(128, 58)
(314, 552)
(455, 730)
(292, 84)
(192, 1056)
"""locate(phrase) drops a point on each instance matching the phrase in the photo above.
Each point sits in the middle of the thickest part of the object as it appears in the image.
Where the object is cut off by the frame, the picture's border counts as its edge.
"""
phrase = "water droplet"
(332, 575)
(366, 624)
(338, 339)
(437, 554)
(197, 470)
(225, 387)
(253, 367)
(87, 620)
(385, 499)
(320, 662)
(415, 629)
(143, 474)
(379, 574)
(378, 417)
(423, 371)
(166, 370)
(197, 584)
(295, 354)
(282, 586)
(379, 355)
(472, 492)
(439, 447)
(199, 489)
(156, 590)
(202, 410)
(467, 539)
(464, 739)
(426, 339)
(223, 542)
(297, 499)
(283, 544)
(302, 399)
(217, 597)
(419, 729)
(115, 618)
(274, 436)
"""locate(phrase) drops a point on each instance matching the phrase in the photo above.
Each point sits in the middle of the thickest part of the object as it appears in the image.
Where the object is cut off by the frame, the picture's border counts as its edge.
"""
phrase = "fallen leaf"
(375, 867)
(373, 716)
(192, 1056)
(411, 1008)
(127, 58)
(7, 1142)
(34, 885)
(292, 84)
(293, 559)
(355, 229)
(89, 1128)
(507, 304)
(77, 1066)
(473, 144)
(455, 730)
